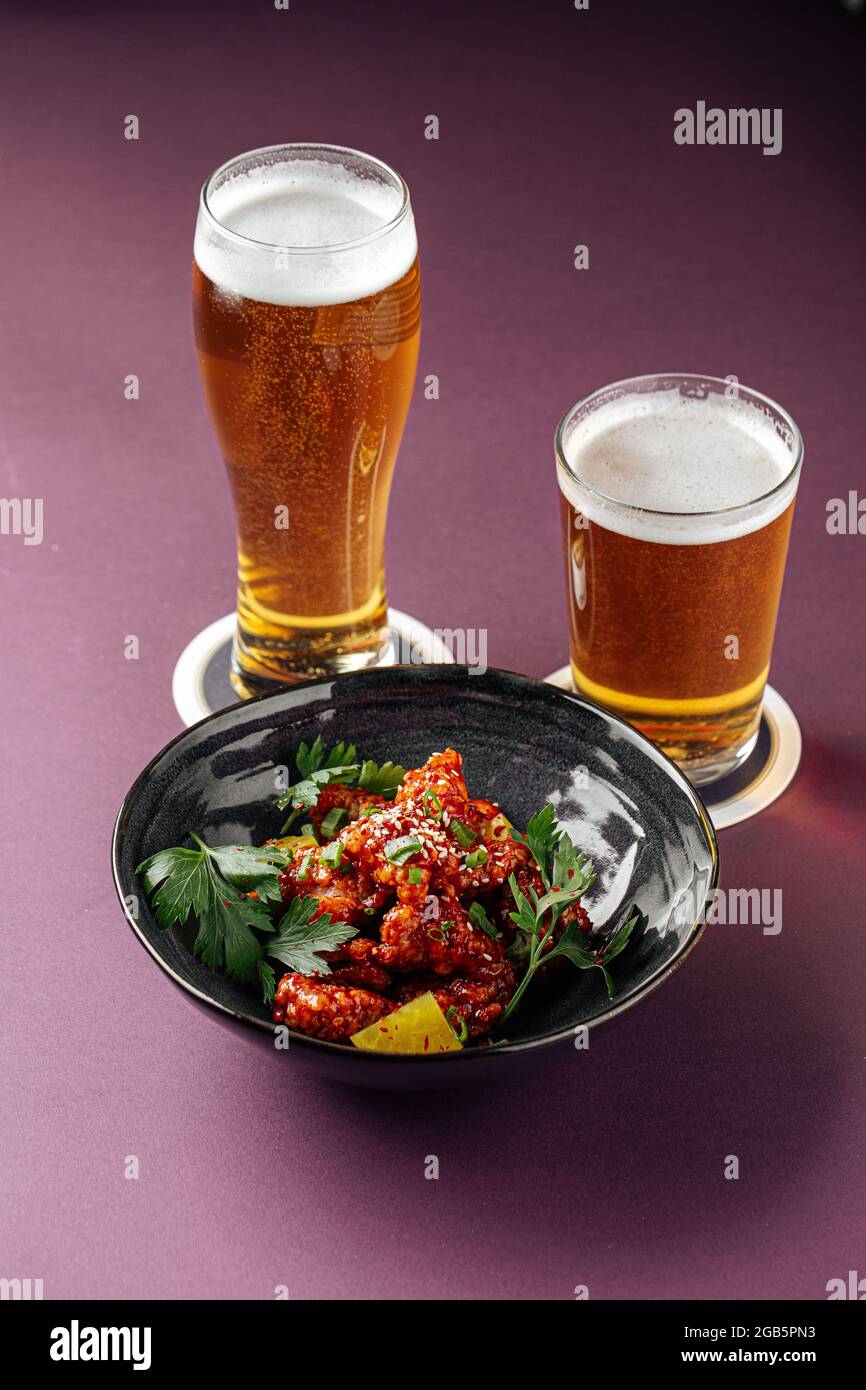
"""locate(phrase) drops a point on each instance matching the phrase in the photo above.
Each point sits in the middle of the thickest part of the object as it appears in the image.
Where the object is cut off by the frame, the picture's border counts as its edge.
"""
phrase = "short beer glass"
(307, 310)
(677, 494)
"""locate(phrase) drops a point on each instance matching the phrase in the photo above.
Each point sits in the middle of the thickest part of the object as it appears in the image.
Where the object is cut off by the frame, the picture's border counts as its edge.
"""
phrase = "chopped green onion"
(466, 836)
(476, 858)
(304, 869)
(401, 849)
(332, 854)
(333, 821)
(457, 1024)
(308, 829)
(478, 917)
(415, 875)
(437, 805)
(439, 931)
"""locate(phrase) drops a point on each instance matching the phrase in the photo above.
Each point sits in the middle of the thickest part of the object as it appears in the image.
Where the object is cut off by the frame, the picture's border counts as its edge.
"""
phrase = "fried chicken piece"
(344, 891)
(361, 950)
(324, 1010)
(442, 777)
(337, 796)
(432, 808)
(335, 892)
(363, 976)
(504, 857)
(488, 822)
(480, 1001)
(435, 935)
(354, 963)
(369, 842)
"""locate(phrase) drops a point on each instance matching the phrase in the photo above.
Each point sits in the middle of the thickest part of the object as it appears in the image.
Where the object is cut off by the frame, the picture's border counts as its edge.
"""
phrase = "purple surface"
(556, 128)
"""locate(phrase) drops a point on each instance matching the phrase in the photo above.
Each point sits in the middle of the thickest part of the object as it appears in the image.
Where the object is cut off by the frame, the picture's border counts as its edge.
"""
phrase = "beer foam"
(313, 205)
(671, 459)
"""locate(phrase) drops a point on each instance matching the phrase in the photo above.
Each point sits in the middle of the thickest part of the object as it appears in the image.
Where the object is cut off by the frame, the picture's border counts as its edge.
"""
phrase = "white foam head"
(677, 469)
(309, 228)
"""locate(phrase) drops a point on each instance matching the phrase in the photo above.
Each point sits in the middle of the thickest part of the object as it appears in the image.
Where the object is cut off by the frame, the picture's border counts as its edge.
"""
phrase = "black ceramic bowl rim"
(476, 1054)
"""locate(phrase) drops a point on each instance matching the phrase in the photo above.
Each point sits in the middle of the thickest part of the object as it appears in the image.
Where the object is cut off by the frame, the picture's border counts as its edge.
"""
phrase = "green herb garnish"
(476, 858)
(318, 768)
(462, 832)
(333, 822)
(566, 875)
(399, 850)
(382, 779)
(215, 883)
(415, 875)
(478, 917)
(302, 935)
(267, 980)
(457, 1023)
(332, 854)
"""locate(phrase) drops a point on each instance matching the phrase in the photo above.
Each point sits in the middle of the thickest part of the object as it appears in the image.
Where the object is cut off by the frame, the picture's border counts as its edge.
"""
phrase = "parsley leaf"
(384, 779)
(586, 955)
(575, 946)
(319, 766)
(315, 759)
(225, 937)
(566, 875)
(541, 838)
(267, 980)
(215, 884)
(612, 945)
(229, 888)
(571, 875)
(302, 936)
(256, 869)
(183, 876)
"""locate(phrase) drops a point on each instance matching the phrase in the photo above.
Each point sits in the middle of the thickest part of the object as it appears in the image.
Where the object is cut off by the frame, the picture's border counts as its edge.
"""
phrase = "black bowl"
(523, 743)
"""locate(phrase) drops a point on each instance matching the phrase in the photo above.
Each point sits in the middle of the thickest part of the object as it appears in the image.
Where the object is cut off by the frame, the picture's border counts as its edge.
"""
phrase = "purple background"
(556, 128)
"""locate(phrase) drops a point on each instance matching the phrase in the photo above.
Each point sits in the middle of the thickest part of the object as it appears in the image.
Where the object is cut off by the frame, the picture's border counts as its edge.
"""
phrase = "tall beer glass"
(307, 307)
(677, 494)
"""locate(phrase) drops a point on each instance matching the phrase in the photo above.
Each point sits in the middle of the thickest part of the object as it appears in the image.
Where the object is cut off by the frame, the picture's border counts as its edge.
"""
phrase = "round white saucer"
(201, 684)
(764, 775)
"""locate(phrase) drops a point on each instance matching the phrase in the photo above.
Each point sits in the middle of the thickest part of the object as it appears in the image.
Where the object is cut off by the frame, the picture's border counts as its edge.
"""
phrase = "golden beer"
(306, 298)
(677, 495)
